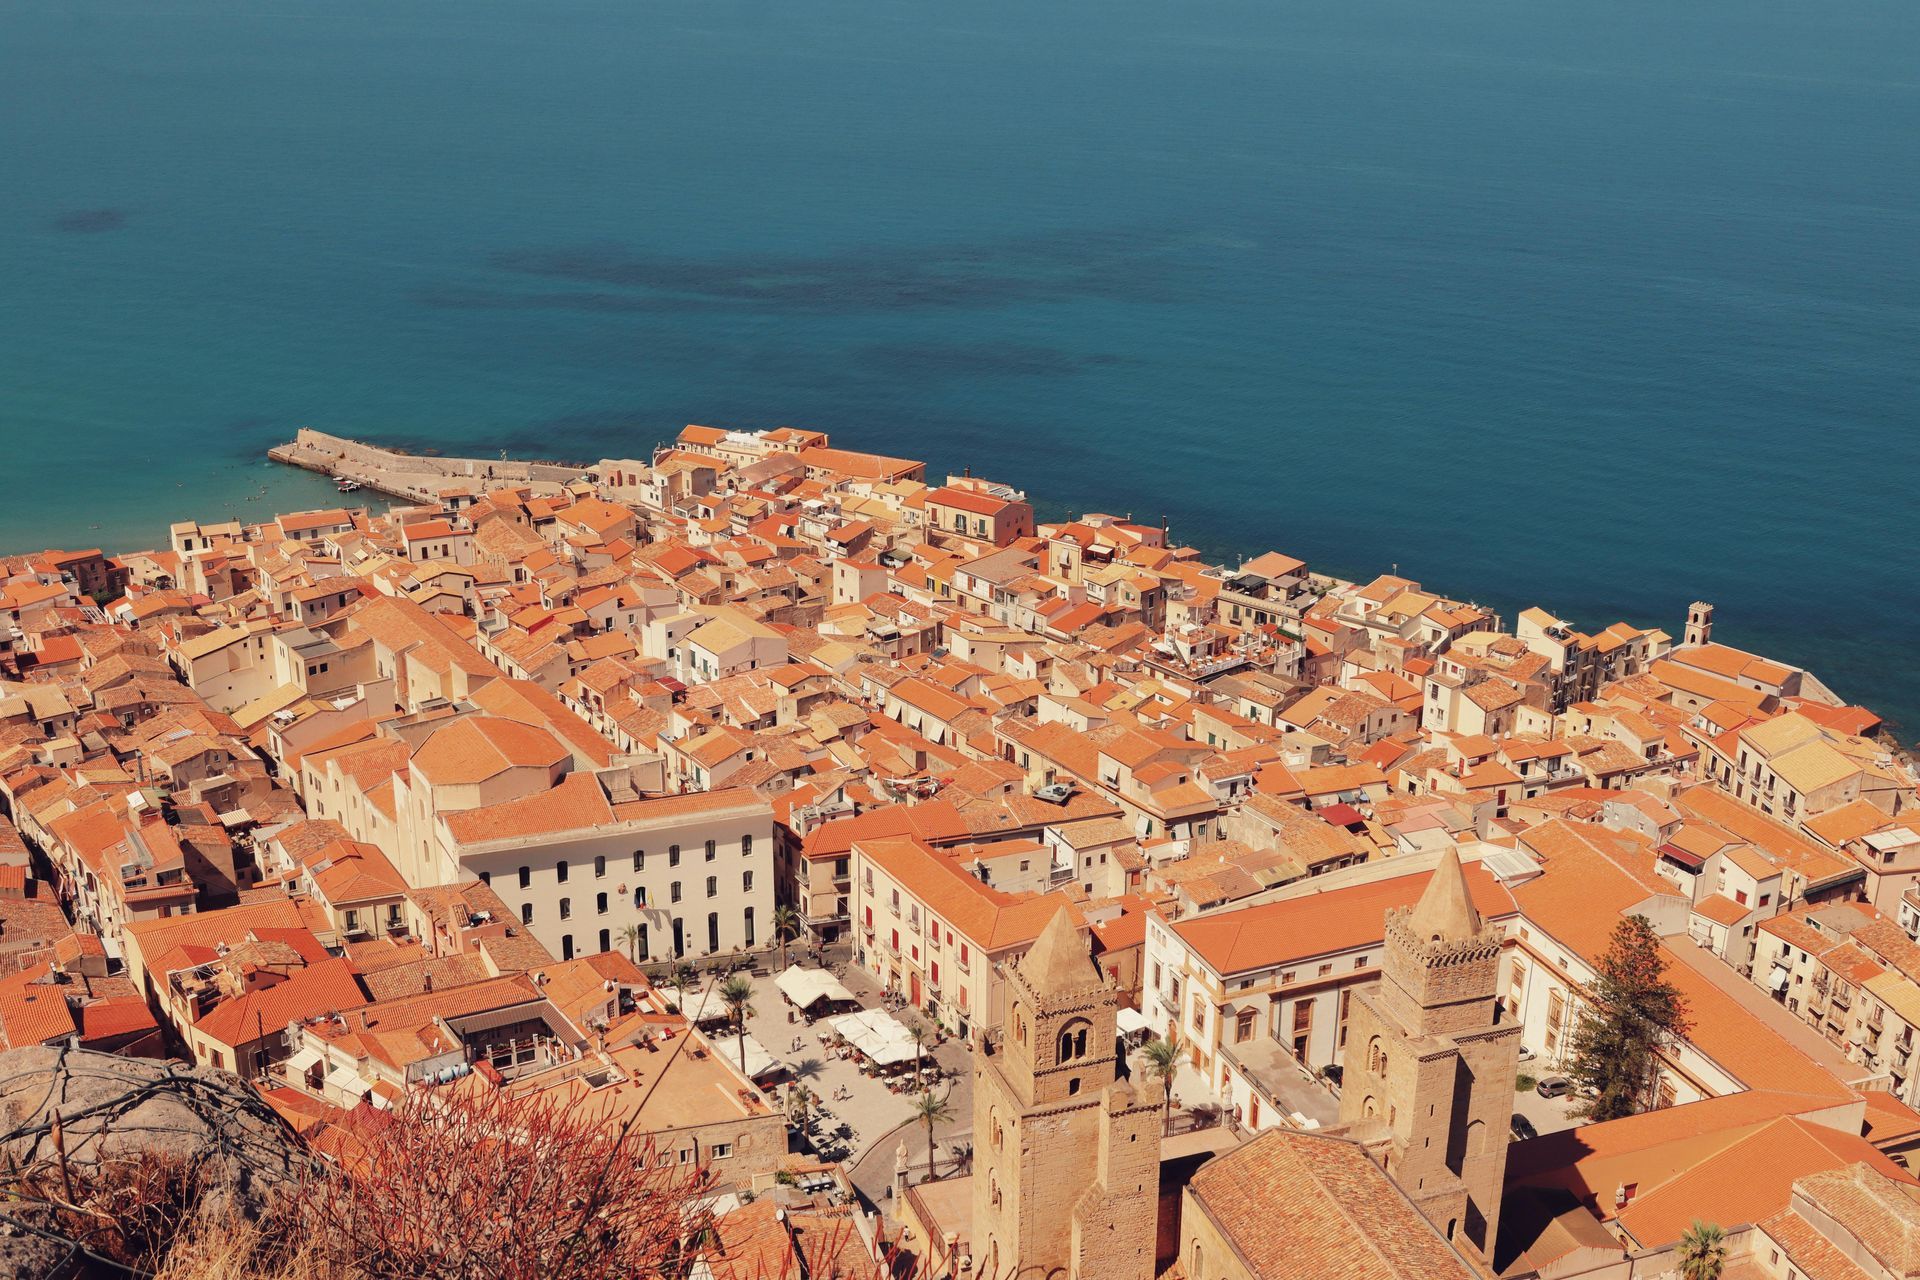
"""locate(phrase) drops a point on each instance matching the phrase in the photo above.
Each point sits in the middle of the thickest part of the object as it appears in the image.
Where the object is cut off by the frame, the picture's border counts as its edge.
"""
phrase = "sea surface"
(1602, 306)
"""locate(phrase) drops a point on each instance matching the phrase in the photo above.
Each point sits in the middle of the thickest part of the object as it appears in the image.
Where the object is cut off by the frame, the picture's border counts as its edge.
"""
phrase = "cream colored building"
(497, 800)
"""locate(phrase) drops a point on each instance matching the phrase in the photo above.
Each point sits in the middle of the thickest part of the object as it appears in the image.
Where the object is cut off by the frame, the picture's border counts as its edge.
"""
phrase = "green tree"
(786, 927)
(930, 1111)
(1632, 1013)
(1703, 1251)
(737, 991)
(1163, 1063)
(918, 1031)
(630, 934)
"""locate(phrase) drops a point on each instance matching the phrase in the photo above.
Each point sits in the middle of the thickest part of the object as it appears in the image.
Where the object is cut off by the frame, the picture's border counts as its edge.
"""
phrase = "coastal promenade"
(415, 477)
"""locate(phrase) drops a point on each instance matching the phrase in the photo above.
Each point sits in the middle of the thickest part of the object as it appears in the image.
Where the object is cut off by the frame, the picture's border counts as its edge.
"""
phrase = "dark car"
(1554, 1087)
(1523, 1128)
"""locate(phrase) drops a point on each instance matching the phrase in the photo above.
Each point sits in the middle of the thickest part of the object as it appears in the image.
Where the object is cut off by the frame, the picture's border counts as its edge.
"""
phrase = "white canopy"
(348, 1081)
(807, 987)
(1778, 980)
(301, 1060)
(759, 1061)
(703, 1005)
(877, 1035)
(1130, 1021)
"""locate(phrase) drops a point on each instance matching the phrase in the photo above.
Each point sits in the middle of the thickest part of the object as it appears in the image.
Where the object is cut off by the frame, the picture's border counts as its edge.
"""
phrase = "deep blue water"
(1602, 306)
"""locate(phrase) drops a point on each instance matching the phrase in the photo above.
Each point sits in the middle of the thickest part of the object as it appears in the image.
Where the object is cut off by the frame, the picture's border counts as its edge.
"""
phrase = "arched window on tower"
(1073, 1040)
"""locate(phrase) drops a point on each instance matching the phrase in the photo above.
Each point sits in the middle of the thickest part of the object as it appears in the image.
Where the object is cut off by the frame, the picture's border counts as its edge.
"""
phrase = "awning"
(1778, 979)
(1130, 1021)
(302, 1060)
(759, 1061)
(808, 987)
(1675, 854)
(347, 1081)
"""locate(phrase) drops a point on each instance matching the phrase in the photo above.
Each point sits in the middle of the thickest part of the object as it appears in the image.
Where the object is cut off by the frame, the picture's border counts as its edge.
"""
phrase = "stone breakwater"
(415, 477)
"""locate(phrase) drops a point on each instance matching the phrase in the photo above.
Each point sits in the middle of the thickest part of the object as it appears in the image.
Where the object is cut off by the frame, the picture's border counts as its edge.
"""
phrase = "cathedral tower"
(1430, 1063)
(1066, 1175)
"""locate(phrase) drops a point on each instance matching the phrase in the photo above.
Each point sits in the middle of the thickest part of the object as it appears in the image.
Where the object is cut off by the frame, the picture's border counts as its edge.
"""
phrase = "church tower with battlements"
(1430, 1061)
(1066, 1177)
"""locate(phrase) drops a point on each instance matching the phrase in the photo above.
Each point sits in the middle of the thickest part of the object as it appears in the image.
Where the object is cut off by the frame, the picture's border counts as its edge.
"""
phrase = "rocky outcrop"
(116, 1116)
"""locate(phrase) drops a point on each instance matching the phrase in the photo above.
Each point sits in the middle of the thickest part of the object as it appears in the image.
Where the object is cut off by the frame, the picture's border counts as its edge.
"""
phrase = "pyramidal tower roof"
(1059, 959)
(1446, 909)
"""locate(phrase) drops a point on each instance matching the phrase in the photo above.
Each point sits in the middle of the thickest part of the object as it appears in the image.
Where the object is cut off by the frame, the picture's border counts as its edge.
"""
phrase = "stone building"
(1067, 1156)
(1430, 1061)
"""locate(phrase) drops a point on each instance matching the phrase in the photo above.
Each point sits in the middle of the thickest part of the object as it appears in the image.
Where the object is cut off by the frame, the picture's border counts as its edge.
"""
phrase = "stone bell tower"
(1699, 623)
(1430, 1063)
(1066, 1174)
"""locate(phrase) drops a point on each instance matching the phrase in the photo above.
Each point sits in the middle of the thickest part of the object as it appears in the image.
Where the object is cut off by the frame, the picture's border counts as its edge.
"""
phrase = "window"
(600, 906)
(526, 877)
(526, 913)
(720, 1150)
(713, 848)
(746, 846)
(1243, 1026)
(713, 886)
(639, 859)
(566, 908)
(1325, 969)
(749, 925)
(746, 881)
(640, 897)
(560, 871)
(673, 892)
(599, 865)
(673, 855)
(566, 946)
(486, 878)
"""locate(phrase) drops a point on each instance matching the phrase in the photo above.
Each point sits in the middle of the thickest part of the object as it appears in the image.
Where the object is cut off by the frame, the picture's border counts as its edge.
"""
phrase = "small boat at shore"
(348, 486)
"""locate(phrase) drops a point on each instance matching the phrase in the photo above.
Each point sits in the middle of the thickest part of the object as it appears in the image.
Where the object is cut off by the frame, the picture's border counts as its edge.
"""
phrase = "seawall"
(414, 477)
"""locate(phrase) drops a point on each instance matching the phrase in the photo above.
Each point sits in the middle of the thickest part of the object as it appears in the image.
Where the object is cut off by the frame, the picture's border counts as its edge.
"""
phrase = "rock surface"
(112, 1108)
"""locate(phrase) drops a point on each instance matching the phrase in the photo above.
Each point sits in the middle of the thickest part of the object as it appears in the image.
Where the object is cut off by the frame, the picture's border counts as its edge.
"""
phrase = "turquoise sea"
(1605, 306)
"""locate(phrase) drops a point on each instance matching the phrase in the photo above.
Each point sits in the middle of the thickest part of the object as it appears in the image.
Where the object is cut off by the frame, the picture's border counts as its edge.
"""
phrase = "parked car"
(1526, 1054)
(1523, 1127)
(1554, 1087)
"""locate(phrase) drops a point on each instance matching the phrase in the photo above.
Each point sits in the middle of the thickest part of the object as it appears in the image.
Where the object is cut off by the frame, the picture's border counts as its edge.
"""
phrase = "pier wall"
(414, 477)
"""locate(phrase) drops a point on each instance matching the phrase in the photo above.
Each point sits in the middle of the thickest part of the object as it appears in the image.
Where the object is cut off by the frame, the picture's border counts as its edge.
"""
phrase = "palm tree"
(630, 934)
(918, 1031)
(682, 978)
(930, 1111)
(1163, 1062)
(737, 991)
(1703, 1251)
(786, 926)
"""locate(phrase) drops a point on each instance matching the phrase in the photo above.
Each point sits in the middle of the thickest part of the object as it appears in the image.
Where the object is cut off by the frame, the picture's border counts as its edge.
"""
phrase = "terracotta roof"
(475, 748)
(1322, 923)
(992, 919)
(1299, 1206)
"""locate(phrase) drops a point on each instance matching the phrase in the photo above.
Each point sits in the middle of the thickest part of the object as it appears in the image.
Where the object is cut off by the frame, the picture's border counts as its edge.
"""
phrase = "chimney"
(429, 981)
